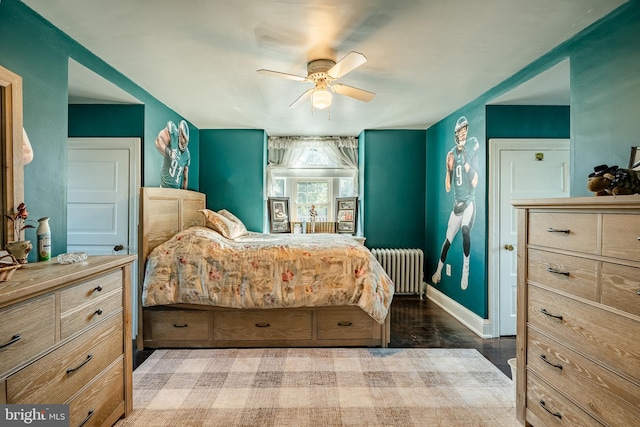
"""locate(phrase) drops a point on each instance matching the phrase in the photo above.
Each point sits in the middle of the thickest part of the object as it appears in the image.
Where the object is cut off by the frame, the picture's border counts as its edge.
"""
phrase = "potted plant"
(19, 248)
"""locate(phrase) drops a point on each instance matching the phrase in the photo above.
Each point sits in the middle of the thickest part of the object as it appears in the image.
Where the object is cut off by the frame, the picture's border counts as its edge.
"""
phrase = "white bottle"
(44, 239)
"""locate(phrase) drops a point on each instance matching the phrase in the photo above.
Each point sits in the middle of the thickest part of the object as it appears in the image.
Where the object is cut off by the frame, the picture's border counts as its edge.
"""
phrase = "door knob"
(118, 248)
(508, 247)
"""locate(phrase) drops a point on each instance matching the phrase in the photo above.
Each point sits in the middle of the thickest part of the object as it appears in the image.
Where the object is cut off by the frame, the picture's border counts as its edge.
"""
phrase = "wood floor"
(419, 323)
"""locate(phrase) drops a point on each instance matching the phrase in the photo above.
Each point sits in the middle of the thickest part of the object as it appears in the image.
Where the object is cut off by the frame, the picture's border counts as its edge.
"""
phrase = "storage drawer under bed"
(263, 325)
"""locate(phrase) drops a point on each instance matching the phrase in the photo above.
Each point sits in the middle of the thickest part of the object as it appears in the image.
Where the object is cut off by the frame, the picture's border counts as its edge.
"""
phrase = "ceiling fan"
(322, 73)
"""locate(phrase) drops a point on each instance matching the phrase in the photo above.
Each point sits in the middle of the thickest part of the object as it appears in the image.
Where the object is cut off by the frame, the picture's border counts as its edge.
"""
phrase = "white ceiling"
(426, 58)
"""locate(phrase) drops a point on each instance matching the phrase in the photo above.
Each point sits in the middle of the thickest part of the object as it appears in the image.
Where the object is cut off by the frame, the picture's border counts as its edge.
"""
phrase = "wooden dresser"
(65, 338)
(578, 334)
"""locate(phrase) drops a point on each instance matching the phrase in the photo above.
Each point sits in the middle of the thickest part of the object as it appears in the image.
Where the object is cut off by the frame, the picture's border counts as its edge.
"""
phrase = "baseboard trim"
(480, 326)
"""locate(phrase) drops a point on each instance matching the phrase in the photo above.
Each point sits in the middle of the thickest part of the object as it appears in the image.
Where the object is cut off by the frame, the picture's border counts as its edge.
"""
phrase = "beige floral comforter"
(199, 266)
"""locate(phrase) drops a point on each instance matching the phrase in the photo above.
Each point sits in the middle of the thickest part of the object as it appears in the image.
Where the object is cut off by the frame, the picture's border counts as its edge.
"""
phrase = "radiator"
(404, 267)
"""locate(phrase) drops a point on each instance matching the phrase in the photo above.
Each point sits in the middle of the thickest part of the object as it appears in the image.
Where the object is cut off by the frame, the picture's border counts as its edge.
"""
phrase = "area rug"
(318, 387)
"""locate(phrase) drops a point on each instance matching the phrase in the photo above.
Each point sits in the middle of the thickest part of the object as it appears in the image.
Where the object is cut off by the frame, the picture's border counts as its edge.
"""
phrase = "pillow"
(225, 213)
(222, 225)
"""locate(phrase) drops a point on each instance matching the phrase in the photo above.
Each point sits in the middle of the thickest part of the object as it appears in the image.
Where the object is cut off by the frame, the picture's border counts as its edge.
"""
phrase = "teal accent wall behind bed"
(232, 171)
(393, 188)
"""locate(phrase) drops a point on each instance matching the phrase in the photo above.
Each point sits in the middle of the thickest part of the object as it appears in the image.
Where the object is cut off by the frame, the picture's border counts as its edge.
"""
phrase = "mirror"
(634, 161)
(11, 178)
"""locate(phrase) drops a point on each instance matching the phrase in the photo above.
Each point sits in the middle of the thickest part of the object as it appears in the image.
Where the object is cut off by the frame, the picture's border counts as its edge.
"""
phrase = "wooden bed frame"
(164, 212)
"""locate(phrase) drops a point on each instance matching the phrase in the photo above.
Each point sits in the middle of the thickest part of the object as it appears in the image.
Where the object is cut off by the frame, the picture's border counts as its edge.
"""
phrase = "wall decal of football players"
(172, 143)
(462, 167)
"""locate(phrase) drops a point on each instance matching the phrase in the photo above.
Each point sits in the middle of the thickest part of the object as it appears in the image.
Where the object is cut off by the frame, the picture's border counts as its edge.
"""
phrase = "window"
(312, 192)
(314, 158)
(321, 191)
(312, 171)
(278, 188)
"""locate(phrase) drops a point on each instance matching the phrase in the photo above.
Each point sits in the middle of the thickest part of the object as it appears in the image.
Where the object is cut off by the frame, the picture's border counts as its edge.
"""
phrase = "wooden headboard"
(163, 213)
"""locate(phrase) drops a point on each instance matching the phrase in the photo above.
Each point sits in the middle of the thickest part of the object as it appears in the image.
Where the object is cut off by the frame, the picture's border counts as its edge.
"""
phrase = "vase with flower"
(20, 248)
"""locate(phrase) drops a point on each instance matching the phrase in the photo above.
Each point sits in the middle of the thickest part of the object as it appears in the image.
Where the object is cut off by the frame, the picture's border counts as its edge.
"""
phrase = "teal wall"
(394, 167)
(127, 120)
(605, 94)
(439, 203)
(34, 50)
(232, 171)
(31, 47)
(106, 120)
(605, 98)
(528, 121)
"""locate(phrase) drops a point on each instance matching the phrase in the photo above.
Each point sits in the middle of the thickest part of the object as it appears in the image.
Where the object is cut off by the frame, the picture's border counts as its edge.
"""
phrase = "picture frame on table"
(279, 217)
(634, 160)
(346, 214)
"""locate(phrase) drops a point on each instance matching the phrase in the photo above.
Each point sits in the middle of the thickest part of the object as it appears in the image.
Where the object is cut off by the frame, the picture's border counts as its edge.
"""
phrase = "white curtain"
(285, 153)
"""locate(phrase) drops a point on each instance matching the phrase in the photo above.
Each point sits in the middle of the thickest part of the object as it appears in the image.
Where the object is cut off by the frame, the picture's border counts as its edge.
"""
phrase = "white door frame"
(133, 146)
(496, 145)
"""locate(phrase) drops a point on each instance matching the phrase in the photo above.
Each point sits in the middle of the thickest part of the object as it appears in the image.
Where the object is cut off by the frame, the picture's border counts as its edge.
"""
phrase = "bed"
(277, 295)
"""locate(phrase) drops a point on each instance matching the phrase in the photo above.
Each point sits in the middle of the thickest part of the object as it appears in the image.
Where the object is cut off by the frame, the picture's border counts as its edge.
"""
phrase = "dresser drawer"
(86, 315)
(263, 325)
(100, 400)
(553, 409)
(621, 287)
(621, 236)
(176, 325)
(571, 231)
(90, 290)
(50, 380)
(26, 329)
(345, 324)
(598, 391)
(609, 338)
(574, 275)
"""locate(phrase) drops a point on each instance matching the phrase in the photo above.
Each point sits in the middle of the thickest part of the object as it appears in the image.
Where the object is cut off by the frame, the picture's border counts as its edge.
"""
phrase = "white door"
(98, 201)
(527, 169)
(102, 199)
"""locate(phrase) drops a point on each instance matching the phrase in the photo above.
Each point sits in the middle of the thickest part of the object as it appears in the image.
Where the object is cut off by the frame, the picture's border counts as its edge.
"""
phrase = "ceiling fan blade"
(302, 98)
(283, 75)
(353, 92)
(347, 64)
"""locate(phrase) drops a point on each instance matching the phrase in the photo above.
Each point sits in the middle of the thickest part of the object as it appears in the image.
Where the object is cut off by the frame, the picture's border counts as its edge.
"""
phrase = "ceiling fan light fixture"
(321, 99)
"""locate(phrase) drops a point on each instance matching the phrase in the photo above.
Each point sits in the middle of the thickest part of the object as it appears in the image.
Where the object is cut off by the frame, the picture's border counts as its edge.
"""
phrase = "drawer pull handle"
(555, 414)
(544, 359)
(262, 325)
(546, 313)
(186, 325)
(98, 312)
(638, 292)
(345, 323)
(13, 339)
(554, 271)
(555, 230)
(98, 289)
(89, 415)
(89, 357)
